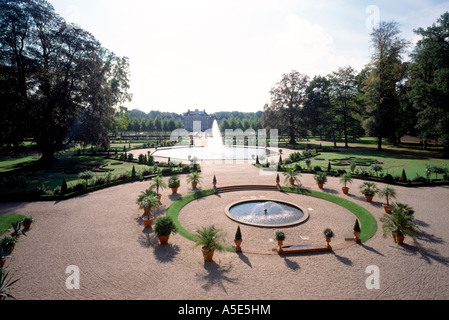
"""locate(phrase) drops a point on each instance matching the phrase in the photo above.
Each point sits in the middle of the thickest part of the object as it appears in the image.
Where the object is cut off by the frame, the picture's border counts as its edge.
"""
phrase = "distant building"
(197, 120)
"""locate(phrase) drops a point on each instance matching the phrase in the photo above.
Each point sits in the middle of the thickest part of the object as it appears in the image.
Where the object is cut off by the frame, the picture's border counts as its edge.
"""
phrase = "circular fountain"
(266, 213)
(210, 146)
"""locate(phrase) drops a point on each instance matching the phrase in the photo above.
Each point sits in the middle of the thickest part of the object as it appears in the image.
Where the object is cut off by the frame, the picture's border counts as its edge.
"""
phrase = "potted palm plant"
(368, 189)
(291, 176)
(142, 199)
(345, 179)
(5, 284)
(163, 228)
(387, 193)
(149, 204)
(209, 238)
(16, 229)
(238, 239)
(329, 234)
(320, 179)
(174, 183)
(280, 237)
(194, 178)
(399, 223)
(159, 184)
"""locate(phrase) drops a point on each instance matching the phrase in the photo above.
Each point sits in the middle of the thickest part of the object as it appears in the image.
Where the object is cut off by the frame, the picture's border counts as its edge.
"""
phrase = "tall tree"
(287, 99)
(65, 85)
(317, 111)
(343, 93)
(430, 82)
(387, 71)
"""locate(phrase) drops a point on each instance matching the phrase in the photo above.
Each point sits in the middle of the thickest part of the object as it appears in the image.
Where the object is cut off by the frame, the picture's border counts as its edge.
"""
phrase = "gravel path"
(102, 234)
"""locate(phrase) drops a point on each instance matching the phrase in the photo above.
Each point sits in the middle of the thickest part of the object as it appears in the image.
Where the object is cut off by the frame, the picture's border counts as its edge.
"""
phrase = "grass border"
(367, 220)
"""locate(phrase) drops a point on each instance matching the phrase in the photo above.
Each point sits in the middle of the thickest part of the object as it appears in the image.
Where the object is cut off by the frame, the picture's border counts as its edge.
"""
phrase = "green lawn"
(7, 220)
(393, 162)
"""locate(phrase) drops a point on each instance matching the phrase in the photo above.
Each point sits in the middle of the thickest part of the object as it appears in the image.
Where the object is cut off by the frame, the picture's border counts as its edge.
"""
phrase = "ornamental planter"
(320, 185)
(148, 222)
(328, 240)
(345, 190)
(369, 198)
(174, 190)
(208, 255)
(387, 208)
(163, 240)
(237, 245)
(399, 239)
(194, 185)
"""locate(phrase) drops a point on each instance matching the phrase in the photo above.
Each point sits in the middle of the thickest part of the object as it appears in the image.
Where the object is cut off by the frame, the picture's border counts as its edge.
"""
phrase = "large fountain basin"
(204, 153)
(278, 214)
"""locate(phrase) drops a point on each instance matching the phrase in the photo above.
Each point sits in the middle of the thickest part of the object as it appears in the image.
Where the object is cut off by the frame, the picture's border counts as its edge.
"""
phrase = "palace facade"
(197, 120)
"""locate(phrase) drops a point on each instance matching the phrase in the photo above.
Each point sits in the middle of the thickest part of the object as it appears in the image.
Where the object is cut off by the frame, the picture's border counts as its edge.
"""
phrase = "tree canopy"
(57, 83)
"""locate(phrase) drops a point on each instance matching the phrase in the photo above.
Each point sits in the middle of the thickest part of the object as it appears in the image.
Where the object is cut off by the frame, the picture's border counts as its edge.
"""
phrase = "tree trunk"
(379, 143)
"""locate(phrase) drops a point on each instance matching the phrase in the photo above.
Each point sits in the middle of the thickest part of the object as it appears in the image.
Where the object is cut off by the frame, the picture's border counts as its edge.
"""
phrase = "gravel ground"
(103, 236)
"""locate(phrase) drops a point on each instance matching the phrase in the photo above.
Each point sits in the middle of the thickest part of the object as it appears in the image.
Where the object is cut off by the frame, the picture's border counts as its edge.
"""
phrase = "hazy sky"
(225, 55)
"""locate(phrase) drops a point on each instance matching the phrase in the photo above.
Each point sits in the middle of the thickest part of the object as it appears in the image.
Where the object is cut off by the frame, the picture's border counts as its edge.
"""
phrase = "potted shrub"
(27, 222)
(278, 179)
(8, 244)
(159, 184)
(209, 238)
(399, 223)
(357, 231)
(368, 189)
(280, 237)
(329, 234)
(3, 256)
(387, 193)
(194, 178)
(345, 179)
(238, 239)
(5, 284)
(320, 179)
(174, 183)
(163, 228)
(214, 181)
(149, 204)
(291, 176)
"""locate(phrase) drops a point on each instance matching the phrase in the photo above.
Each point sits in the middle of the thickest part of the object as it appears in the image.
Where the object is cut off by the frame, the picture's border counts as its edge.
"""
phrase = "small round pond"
(266, 213)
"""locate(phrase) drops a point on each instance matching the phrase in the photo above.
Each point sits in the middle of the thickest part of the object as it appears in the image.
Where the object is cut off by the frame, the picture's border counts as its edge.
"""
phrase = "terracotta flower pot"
(208, 255)
(387, 208)
(357, 236)
(369, 198)
(320, 185)
(148, 222)
(345, 190)
(174, 190)
(2, 263)
(328, 240)
(292, 181)
(164, 240)
(399, 239)
(194, 185)
(237, 245)
(159, 196)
